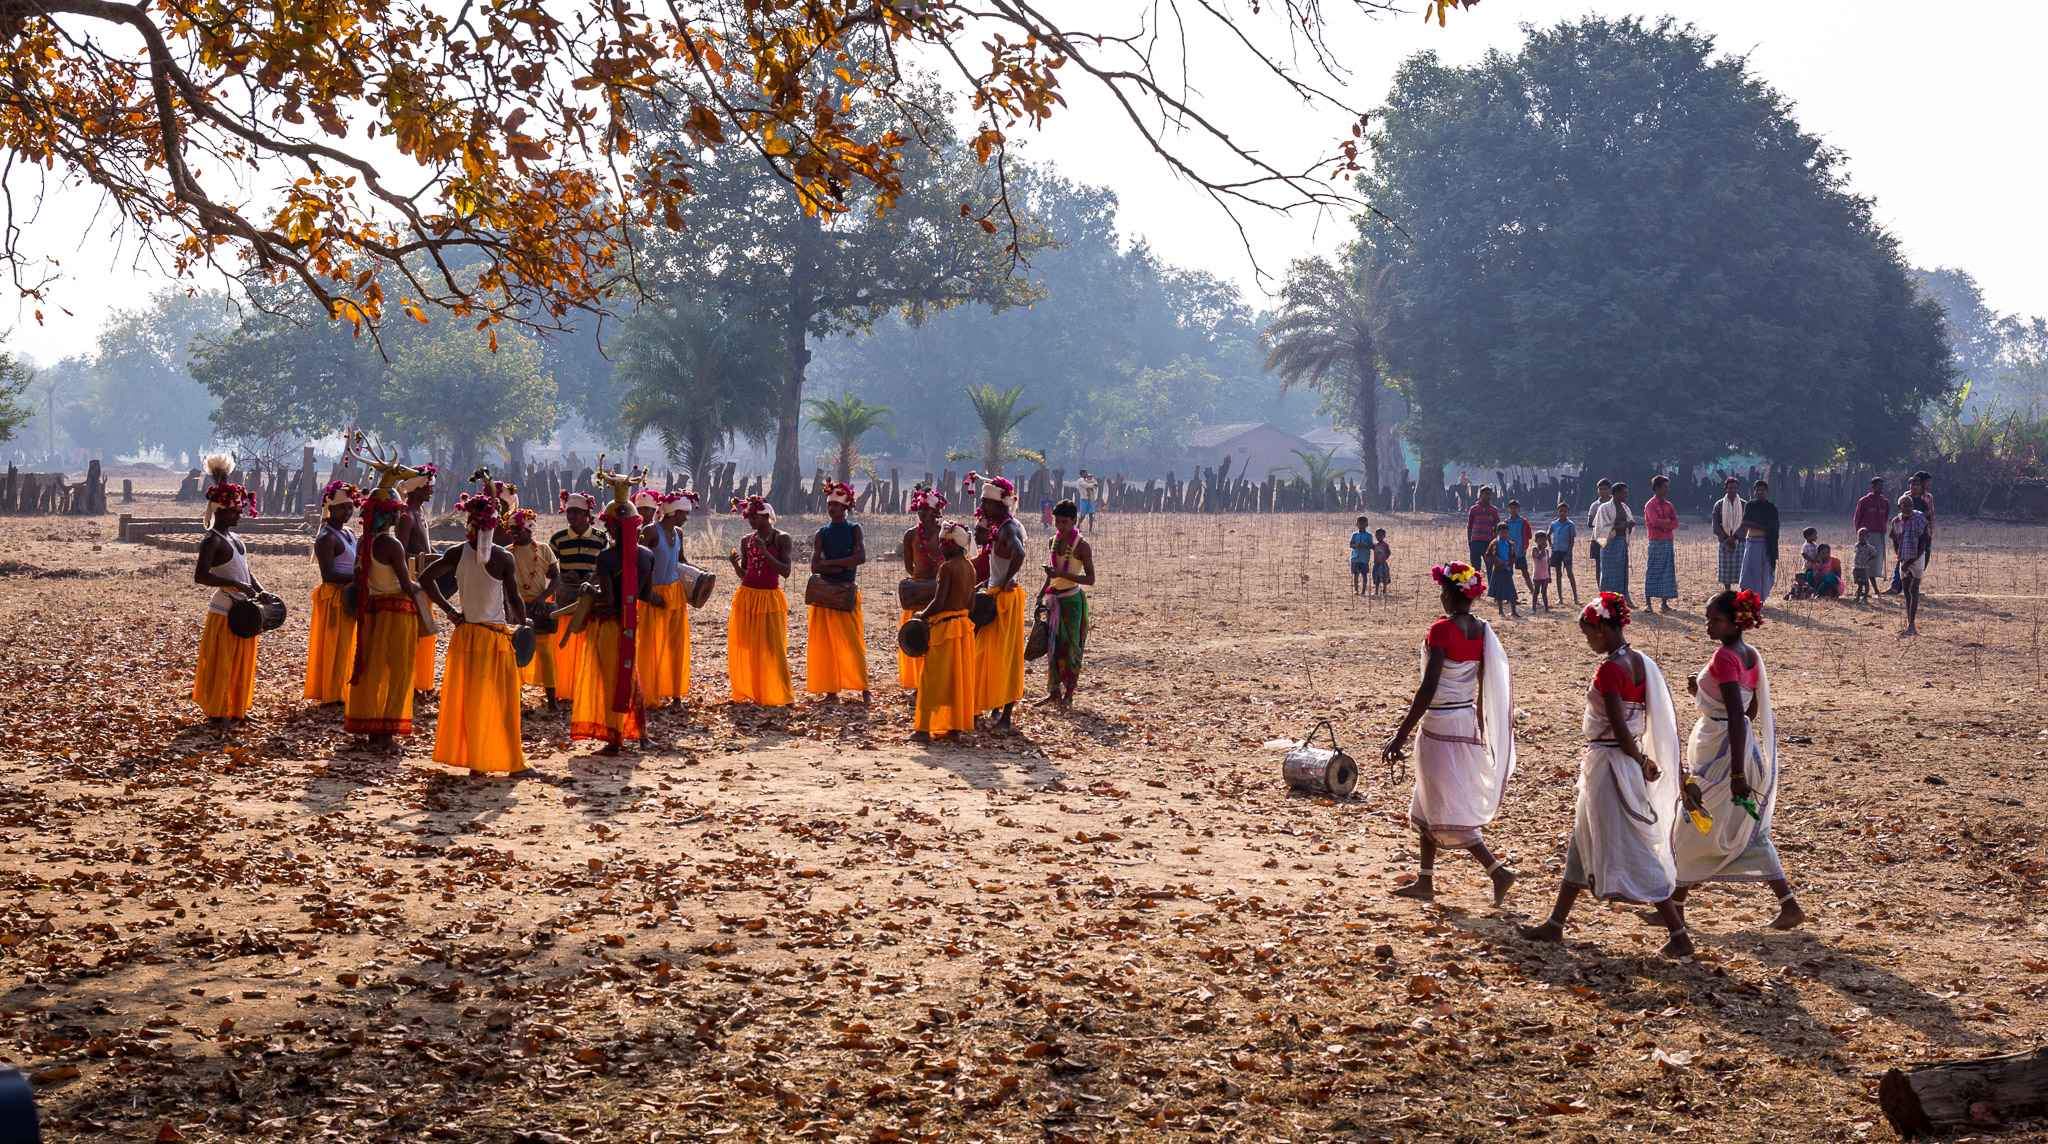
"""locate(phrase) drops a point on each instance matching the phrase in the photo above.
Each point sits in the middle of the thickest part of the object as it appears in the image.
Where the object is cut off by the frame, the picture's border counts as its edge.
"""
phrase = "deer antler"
(384, 463)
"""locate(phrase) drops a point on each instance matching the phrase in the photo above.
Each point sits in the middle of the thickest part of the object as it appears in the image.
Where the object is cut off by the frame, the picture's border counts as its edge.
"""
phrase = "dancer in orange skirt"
(478, 725)
(417, 490)
(947, 697)
(331, 648)
(665, 631)
(380, 692)
(757, 637)
(1000, 645)
(608, 704)
(577, 548)
(539, 577)
(224, 680)
(921, 560)
(836, 655)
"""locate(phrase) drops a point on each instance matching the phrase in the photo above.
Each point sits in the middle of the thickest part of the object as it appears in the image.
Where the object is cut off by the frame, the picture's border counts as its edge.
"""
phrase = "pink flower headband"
(482, 511)
(683, 495)
(234, 497)
(1608, 606)
(839, 493)
(1465, 578)
(922, 498)
(584, 501)
(748, 506)
(522, 518)
(340, 493)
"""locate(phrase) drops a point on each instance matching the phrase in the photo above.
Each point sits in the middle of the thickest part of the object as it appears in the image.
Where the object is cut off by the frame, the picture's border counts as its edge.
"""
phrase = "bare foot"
(920, 737)
(608, 751)
(1503, 880)
(1790, 916)
(1420, 890)
(951, 736)
(1550, 931)
(1680, 945)
(1045, 701)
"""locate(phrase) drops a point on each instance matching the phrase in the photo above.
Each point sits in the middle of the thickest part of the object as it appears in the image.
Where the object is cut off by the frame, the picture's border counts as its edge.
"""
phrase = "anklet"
(1425, 871)
(1497, 864)
(1681, 931)
(1786, 898)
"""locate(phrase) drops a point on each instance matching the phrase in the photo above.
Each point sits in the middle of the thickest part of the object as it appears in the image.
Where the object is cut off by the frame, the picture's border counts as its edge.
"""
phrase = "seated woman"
(1823, 576)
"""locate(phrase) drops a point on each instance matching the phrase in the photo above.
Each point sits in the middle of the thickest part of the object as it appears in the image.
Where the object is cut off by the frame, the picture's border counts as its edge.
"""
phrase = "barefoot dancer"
(608, 703)
(1629, 785)
(380, 691)
(946, 697)
(539, 576)
(1465, 706)
(478, 724)
(921, 560)
(757, 634)
(417, 490)
(665, 656)
(999, 647)
(836, 652)
(224, 681)
(1069, 570)
(1734, 754)
(331, 648)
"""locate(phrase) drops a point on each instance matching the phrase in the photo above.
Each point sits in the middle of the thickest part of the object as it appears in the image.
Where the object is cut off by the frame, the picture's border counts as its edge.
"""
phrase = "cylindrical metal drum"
(1317, 771)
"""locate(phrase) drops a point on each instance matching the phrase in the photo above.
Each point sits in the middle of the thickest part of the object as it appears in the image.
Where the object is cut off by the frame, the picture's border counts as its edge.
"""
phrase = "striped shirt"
(578, 553)
(1912, 534)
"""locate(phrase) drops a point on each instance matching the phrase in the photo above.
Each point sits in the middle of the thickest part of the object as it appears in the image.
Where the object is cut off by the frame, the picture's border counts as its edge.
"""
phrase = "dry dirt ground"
(1111, 925)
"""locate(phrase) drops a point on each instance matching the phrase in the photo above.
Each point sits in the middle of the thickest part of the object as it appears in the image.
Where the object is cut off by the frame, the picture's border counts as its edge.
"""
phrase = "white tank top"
(345, 562)
(482, 595)
(998, 567)
(237, 568)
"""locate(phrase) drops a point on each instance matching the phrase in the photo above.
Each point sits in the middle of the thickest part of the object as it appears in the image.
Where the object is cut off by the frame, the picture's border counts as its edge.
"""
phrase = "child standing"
(1867, 566)
(1562, 533)
(1539, 571)
(1500, 570)
(1382, 577)
(1361, 558)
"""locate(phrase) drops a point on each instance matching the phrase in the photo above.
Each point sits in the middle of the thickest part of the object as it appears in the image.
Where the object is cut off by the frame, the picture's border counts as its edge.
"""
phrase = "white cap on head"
(647, 498)
(958, 534)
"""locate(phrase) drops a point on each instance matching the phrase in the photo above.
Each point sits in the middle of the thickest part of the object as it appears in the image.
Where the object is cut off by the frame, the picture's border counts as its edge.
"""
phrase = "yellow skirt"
(664, 646)
(423, 665)
(757, 647)
(479, 723)
(946, 698)
(590, 711)
(224, 683)
(908, 670)
(331, 649)
(568, 662)
(380, 699)
(540, 670)
(836, 656)
(1000, 649)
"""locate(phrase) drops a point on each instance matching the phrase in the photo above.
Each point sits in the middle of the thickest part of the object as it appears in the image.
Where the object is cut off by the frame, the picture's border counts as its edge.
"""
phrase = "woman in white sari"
(1629, 784)
(1465, 707)
(1734, 756)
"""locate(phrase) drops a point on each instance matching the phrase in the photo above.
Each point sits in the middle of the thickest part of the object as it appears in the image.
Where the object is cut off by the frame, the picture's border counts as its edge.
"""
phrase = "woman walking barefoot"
(1734, 755)
(1629, 785)
(1465, 706)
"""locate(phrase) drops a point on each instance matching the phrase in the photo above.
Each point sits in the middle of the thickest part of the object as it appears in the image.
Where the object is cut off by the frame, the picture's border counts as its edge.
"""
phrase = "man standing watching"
(1088, 488)
(1728, 532)
(1480, 524)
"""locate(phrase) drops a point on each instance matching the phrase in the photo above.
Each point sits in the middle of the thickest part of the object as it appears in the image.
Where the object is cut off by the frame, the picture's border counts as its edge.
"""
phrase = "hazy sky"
(1937, 108)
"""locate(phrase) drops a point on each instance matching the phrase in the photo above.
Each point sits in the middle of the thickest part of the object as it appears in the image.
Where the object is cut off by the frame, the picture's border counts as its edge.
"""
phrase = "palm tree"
(846, 420)
(1318, 472)
(698, 374)
(1324, 338)
(999, 416)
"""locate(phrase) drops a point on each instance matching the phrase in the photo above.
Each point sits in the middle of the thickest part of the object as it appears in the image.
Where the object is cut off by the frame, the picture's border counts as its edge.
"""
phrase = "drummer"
(921, 560)
(538, 576)
(577, 547)
(836, 654)
(224, 683)
(757, 632)
(413, 530)
(478, 724)
(665, 632)
(948, 697)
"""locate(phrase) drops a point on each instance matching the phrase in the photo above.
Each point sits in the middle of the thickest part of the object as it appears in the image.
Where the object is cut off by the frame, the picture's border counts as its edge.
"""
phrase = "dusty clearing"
(1113, 925)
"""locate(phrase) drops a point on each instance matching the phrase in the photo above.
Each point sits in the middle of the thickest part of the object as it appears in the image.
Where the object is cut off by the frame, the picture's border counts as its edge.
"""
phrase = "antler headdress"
(621, 485)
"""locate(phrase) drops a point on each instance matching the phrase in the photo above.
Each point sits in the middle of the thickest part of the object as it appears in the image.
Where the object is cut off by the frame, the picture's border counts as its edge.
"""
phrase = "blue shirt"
(1361, 548)
(1562, 533)
(838, 542)
(1518, 531)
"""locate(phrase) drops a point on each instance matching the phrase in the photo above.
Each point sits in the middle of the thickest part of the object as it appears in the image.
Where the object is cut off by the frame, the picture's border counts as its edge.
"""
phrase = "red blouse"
(1726, 667)
(1457, 646)
(1613, 679)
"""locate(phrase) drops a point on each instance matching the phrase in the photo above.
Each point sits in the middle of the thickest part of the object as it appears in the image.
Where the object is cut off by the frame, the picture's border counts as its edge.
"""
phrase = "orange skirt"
(664, 646)
(331, 649)
(224, 683)
(479, 723)
(540, 670)
(568, 662)
(590, 711)
(380, 699)
(423, 665)
(1000, 649)
(757, 647)
(946, 699)
(836, 655)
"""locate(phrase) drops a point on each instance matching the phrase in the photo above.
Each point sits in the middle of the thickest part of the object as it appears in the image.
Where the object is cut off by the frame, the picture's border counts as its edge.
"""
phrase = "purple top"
(1873, 512)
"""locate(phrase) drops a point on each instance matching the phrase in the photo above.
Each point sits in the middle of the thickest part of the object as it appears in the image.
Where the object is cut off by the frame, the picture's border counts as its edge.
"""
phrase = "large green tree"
(1324, 339)
(14, 409)
(453, 384)
(750, 233)
(1617, 248)
(697, 374)
(140, 395)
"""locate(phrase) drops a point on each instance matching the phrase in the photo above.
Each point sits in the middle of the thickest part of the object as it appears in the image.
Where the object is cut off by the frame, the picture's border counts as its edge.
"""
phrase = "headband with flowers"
(646, 499)
(584, 501)
(749, 505)
(681, 495)
(507, 495)
(1609, 607)
(424, 480)
(340, 493)
(923, 496)
(482, 511)
(1465, 578)
(839, 492)
(234, 497)
(998, 489)
(954, 533)
(522, 518)
(1749, 610)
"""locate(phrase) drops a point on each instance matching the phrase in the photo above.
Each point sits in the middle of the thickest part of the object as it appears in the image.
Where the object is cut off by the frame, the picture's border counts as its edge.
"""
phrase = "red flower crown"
(1608, 606)
(1748, 610)
(1462, 576)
